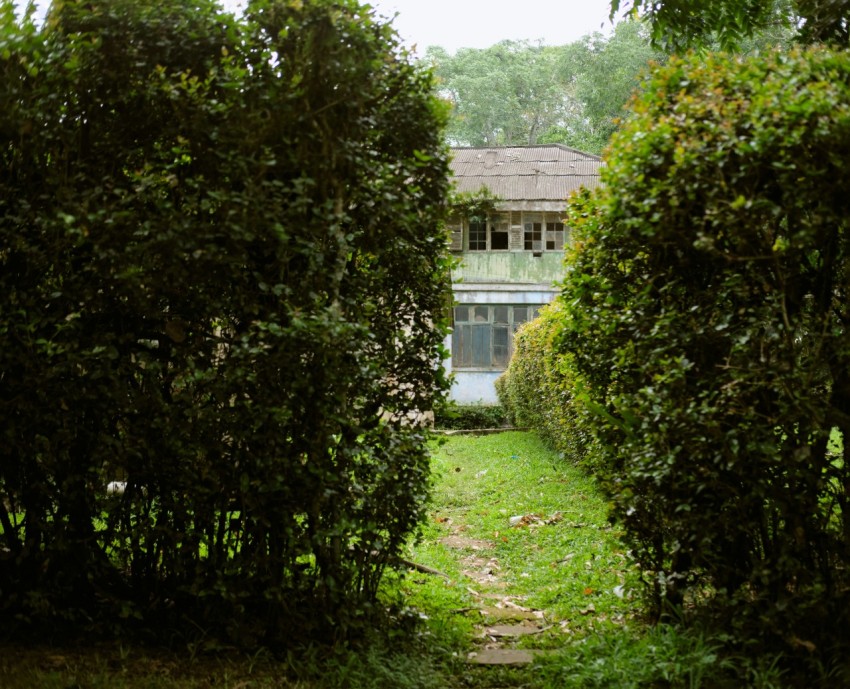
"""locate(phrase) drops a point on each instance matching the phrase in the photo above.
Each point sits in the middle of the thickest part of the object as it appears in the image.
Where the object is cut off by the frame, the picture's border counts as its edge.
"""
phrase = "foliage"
(607, 647)
(705, 309)
(516, 93)
(505, 95)
(224, 272)
(602, 73)
(537, 389)
(470, 417)
(731, 23)
(467, 204)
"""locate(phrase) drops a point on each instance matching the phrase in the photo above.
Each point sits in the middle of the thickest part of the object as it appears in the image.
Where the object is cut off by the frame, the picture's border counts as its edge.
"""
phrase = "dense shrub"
(537, 390)
(470, 417)
(706, 310)
(223, 276)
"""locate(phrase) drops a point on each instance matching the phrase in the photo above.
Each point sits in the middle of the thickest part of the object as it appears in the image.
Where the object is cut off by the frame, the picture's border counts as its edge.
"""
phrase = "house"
(511, 254)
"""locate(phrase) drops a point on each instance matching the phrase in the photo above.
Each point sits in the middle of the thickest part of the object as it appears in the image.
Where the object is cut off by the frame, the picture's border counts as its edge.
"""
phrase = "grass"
(514, 532)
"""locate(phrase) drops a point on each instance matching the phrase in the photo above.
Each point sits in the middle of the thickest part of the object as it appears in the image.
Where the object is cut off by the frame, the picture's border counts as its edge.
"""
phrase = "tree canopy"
(678, 25)
(519, 93)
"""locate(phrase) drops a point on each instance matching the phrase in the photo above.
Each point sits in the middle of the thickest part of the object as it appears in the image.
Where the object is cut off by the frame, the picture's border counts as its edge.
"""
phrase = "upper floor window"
(490, 234)
(533, 236)
(477, 235)
(554, 236)
(535, 231)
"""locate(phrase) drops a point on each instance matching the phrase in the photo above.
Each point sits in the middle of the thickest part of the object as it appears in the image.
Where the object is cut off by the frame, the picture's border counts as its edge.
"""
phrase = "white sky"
(454, 24)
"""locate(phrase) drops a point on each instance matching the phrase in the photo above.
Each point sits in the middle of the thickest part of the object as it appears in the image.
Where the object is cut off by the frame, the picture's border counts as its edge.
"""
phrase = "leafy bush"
(224, 272)
(538, 391)
(706, 311)
(470, 417)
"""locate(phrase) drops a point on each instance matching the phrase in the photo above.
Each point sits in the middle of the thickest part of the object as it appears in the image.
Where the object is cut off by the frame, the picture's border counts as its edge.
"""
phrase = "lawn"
(517, 580)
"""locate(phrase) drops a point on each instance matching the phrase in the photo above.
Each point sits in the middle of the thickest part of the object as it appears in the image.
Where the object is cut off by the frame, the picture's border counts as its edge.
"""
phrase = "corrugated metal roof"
(549, 172)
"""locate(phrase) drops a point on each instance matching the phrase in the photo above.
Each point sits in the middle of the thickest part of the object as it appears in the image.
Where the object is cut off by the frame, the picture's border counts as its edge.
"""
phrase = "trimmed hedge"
(470, 417)
(537, 390)
(706, 312)
(223, 269)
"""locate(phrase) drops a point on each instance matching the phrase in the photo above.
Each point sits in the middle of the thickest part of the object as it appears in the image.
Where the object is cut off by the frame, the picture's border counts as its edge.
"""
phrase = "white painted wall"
(475, 387)
(478, 387)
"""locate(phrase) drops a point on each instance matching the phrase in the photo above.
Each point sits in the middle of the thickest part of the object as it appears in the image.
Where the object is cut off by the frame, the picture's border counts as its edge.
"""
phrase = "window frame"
(479, 330)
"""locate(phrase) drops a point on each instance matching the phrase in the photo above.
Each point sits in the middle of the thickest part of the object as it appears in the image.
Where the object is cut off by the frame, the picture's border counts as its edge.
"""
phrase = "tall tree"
(603, 72)
(508, 94)
(517, 93)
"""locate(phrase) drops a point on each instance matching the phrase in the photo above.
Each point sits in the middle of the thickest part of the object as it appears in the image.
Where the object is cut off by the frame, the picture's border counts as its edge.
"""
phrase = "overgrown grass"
(511, 527)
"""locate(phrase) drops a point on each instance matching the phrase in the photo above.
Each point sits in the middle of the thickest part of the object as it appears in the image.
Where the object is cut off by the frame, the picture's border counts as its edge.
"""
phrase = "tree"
(706, 314)
(508, 94)
(224, 273)
(678, 25)
(603, 73)
(515, 93)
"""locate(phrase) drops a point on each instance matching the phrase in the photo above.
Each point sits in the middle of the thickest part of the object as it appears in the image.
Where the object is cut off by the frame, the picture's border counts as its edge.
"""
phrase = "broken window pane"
(554, 236)
(499, 232)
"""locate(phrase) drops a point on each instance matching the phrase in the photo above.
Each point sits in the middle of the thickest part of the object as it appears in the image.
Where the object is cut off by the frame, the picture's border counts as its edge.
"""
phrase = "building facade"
(510, 256)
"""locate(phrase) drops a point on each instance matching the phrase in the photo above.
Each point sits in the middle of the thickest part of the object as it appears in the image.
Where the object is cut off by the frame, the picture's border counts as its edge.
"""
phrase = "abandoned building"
(511, 255)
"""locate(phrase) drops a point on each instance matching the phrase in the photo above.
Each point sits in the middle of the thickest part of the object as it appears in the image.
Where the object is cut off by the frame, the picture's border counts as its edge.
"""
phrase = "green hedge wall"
(223, 270)
(706, 313)
(538, 389)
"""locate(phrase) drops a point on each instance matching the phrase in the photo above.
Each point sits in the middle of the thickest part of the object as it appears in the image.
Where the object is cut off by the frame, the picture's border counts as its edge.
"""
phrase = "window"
(554, 236)
(499, 232)
(483, 334)
(533, 232)
(477, 235)
(498, 229)
(540, 231)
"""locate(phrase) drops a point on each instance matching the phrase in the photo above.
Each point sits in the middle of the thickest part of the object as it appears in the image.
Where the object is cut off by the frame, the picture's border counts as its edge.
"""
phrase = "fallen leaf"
(588, 591)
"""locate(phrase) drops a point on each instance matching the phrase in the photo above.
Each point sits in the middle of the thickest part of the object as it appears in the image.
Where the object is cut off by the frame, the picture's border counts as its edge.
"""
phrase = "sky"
(454, 24)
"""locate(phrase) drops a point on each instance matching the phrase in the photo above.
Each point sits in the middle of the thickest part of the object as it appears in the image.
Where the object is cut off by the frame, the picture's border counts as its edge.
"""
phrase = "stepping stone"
(512, 630)
(501, 656)
(511, 614)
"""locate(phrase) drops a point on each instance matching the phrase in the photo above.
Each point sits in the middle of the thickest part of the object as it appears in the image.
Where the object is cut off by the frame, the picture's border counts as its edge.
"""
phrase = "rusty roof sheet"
(549, 172)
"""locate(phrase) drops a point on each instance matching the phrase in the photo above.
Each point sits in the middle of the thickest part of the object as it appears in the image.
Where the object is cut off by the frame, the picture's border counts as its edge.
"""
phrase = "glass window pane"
(500, 314)
(520, 314)
(501, 342)
(482, 314)
(481, 345)
(461, 313)
(477, 236)
(461, 346)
